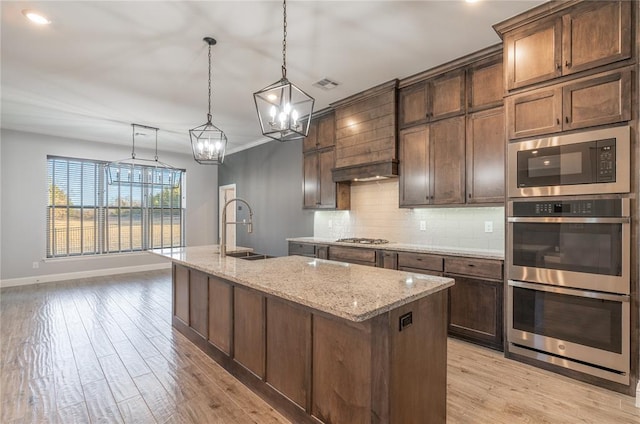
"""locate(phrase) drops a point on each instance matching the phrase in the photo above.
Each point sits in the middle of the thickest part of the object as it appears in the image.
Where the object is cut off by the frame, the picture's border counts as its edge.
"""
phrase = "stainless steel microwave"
(591, 162)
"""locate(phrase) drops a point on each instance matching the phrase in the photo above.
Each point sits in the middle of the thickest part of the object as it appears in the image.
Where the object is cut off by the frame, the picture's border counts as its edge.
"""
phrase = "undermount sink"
(250, 256)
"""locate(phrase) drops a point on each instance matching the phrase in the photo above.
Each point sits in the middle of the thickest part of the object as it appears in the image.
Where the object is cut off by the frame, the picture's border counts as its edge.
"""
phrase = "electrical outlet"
(488, 226)
(36, 265)
(423, 225)
(330, 224)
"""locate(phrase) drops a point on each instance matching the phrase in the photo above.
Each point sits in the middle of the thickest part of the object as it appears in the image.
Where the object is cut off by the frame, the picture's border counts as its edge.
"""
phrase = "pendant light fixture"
(284, 110)
(208, 142)
(140, 171)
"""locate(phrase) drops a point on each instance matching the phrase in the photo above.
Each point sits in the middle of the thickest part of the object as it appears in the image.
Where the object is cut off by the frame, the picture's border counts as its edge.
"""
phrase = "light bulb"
(294, 116)
(273, 112)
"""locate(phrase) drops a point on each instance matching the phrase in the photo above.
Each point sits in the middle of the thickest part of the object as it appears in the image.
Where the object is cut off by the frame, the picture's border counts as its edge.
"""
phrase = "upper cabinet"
(485, 87)
(596, 100)
(485, 156)
(319, 189)
(437, 98)
(583, 37)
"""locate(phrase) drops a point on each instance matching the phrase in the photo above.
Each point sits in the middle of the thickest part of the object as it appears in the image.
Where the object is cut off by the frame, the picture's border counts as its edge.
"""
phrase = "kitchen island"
(322, 341)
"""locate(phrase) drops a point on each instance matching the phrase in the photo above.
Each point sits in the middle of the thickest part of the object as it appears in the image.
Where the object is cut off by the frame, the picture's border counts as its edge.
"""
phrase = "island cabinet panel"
(289, 350)
(341, 371)
(198, 302)
(220, 314)
(181, 293)
(414, 351)
(249, 330)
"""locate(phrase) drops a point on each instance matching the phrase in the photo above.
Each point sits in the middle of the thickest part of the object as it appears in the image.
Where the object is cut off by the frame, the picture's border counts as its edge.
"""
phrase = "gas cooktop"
(362, 240)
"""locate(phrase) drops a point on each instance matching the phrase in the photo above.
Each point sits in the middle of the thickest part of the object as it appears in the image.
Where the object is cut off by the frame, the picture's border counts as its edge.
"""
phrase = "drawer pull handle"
(470, 265)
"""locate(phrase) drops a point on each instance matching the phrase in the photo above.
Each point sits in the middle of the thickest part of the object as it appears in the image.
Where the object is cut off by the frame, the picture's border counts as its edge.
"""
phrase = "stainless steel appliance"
(589, 162)
(569, 282)
(582, 244)
(581, 330)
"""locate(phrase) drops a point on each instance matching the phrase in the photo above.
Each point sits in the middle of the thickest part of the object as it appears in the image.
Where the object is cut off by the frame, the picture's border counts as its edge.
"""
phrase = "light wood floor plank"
(103, 350)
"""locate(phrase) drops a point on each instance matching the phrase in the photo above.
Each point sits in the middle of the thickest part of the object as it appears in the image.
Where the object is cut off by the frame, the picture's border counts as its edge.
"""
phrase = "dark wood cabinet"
(476, 300)
(220, 314)
(434, 99)
(249, 330)
(485, 84)
(354, 255)
(583, 37)
(198, 301)
(320, 251)
(596, 100)
(414, 153)
(181, 293)
(485, 156)
(432, 166)
(423, 263)
(319, 189)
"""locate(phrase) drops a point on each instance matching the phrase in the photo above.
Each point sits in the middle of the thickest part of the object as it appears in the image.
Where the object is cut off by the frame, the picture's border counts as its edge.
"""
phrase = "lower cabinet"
(354, 255)
(476, 301)
(320, 251)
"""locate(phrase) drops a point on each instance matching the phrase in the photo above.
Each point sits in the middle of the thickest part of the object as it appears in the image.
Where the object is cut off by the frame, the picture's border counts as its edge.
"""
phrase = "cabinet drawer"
(420, 261)
(484, 268)
(347, 254)
(302, 249)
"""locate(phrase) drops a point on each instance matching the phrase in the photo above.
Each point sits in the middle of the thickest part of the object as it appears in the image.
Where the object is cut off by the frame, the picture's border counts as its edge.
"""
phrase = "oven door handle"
(572, 220)
(573, 292)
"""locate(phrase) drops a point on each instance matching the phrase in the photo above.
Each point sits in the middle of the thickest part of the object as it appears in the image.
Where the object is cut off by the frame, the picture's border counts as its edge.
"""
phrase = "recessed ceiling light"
(36, 17)
(471, 1)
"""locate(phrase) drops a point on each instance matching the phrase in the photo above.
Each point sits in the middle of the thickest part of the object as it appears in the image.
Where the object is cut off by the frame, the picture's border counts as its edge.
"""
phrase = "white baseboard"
(38, 279)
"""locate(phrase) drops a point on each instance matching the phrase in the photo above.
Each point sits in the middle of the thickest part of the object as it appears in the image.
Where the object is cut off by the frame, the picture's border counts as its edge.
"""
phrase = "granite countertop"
(353, 292)
(407, 247)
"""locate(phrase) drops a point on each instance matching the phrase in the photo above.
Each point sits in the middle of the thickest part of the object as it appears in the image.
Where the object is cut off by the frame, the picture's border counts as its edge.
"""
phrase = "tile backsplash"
(375, 213)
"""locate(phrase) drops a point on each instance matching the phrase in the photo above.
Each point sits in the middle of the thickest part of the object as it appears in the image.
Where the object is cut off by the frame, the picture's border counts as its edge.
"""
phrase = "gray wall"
(23, 203)
(269, 177)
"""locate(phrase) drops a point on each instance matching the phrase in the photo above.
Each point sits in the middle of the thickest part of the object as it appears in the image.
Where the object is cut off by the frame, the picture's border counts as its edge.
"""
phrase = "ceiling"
(102, 65)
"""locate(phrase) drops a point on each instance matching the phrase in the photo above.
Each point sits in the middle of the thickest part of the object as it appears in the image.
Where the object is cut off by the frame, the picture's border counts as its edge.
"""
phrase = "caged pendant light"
(208, 142)
(283, 109)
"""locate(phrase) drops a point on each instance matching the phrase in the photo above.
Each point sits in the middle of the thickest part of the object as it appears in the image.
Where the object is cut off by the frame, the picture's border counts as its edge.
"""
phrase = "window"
(88, 216)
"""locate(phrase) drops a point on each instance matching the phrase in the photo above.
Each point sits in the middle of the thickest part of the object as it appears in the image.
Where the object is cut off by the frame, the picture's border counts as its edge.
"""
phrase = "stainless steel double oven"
(569, 252)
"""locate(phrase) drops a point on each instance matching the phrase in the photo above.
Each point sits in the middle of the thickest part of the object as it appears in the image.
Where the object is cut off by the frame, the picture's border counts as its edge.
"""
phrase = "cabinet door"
(198, 302)
(534, 113)
(181, 293)
(414, 166)
(485, 84)
(596, 33)
(220, 314)
(601, 100)
(414, 104)
(447, 95)
(326, 131)
(486, 143)
(475, 311)
(311, 183)
(249, 330)
(447, 139)
(327, 191)
(310, 142)
(533, 54)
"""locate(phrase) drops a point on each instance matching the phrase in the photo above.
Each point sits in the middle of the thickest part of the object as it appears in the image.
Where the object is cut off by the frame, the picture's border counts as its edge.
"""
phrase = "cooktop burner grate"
(362, 240)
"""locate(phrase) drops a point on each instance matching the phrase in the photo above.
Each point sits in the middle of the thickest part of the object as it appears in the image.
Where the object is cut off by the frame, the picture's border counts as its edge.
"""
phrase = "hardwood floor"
(103, 350)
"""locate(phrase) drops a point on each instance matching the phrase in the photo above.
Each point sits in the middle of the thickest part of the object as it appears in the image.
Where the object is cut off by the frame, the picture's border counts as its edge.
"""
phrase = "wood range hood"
(366, 141)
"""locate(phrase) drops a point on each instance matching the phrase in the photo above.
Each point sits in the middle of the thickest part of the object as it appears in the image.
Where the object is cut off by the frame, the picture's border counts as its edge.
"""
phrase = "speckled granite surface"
(352, 292)
(416, 248)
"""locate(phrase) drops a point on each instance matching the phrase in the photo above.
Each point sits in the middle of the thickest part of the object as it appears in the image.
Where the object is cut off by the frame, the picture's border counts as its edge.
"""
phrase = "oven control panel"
(566, 208)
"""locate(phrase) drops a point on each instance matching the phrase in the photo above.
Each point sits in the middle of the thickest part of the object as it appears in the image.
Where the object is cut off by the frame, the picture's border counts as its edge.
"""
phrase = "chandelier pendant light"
(141, 171)
(208, 142)
(283, 109)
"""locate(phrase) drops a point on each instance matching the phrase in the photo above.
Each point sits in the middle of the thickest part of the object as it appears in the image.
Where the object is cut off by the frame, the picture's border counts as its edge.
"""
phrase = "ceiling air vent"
(326, 84)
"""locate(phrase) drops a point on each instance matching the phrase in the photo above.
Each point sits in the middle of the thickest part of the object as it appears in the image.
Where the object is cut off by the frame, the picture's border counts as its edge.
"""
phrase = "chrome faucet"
(223, 238)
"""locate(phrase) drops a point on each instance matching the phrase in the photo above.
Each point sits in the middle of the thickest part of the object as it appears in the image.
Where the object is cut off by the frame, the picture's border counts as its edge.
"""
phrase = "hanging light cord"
(284, 41)
(209, 114)
(133, 134)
